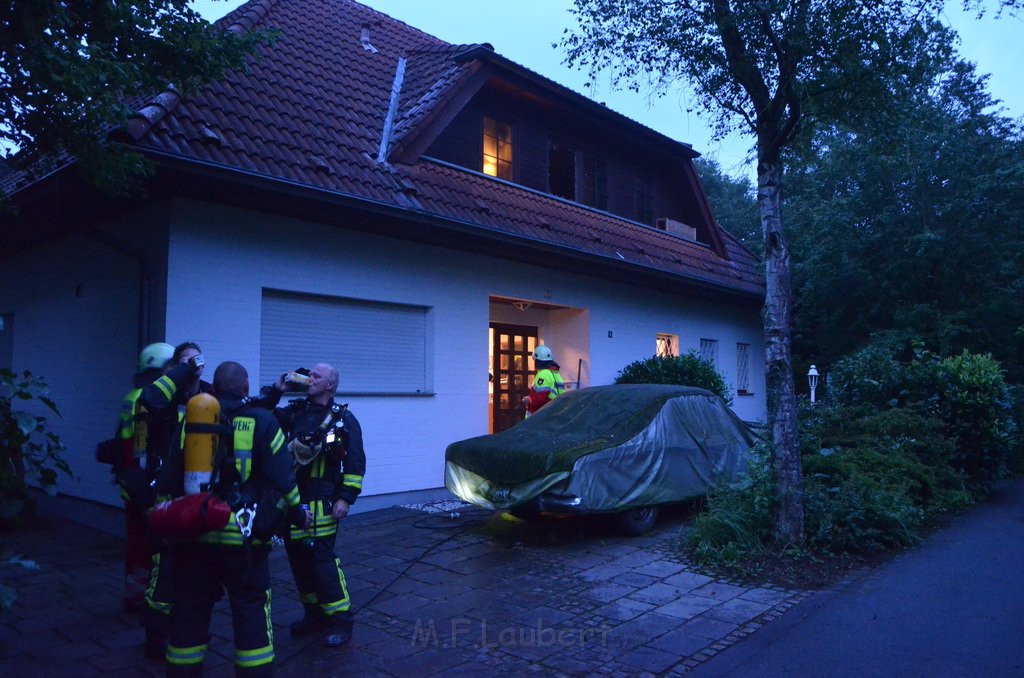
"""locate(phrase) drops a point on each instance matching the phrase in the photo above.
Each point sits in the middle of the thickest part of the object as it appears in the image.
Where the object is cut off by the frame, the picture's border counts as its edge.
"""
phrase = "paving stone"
(680, 643)
(623, 609)
(609, 592)
(709, 627)
(738, 610)
(688, 607)
(649, 659)
(687, 581)
(766, 596)
(657, 594)
(718, 591)
(604, 572)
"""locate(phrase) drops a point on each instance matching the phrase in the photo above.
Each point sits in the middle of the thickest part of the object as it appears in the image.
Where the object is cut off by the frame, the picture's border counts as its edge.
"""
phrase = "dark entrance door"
(511, 347)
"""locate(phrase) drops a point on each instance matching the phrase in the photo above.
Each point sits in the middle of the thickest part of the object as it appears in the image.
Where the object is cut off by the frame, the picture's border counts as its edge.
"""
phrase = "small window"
(666, 345)
(743, 369)
(497, 158)
(709, 351)
(595, 182)
(644, 201)
(562, 172)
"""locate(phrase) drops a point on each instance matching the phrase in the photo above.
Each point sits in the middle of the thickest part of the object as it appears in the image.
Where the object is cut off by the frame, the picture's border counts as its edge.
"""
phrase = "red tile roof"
(311, 110)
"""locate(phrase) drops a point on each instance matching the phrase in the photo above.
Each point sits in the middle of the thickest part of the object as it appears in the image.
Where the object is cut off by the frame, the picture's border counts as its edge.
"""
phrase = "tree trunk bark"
(782, 418)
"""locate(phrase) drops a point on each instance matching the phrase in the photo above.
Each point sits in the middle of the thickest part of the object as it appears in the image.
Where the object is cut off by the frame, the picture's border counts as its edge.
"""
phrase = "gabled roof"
(315, 105)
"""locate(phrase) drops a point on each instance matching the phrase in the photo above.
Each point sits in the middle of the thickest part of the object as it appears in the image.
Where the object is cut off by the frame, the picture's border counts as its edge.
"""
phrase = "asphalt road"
(953, 606)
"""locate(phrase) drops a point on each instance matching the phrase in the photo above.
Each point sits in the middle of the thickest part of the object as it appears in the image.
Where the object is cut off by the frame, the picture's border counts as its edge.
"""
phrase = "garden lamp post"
(812, 380)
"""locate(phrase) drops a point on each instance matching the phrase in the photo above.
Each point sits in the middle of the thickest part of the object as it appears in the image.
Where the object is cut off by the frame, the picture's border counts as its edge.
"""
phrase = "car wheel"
(639, 520)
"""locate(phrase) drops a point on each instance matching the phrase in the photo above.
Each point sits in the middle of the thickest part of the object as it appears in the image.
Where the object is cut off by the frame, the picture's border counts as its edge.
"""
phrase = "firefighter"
(132, 471)
(547, 383)
(229, 558)
(327, 442)
(164, 400)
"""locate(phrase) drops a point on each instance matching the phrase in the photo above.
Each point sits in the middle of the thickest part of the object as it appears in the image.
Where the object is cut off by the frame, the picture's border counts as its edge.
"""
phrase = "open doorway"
(510, 372)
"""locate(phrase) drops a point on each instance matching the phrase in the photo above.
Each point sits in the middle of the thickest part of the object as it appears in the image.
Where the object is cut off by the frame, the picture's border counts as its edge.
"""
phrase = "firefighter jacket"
(259, 463)
(337, 471)
(547, 385)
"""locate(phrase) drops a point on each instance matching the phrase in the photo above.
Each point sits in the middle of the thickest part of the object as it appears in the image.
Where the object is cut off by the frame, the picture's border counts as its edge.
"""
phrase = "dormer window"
(595, 182)
(497, 160)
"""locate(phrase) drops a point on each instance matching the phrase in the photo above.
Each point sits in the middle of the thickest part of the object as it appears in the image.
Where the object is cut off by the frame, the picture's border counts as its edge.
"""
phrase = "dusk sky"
(524, 31)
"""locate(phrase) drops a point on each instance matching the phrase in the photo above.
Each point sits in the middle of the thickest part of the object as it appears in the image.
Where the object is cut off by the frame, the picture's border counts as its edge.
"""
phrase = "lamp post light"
(812, 380)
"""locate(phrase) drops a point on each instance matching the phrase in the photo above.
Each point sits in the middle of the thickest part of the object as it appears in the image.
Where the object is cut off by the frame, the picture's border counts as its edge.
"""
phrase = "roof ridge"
(240, 20)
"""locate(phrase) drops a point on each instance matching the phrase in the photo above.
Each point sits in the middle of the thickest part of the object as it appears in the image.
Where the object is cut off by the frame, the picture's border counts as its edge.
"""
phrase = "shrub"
(738, 519)
(975, 405)
(683, 370)
(27, 446)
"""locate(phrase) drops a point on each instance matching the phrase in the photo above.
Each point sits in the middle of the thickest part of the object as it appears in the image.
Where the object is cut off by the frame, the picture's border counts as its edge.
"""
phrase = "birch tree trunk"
(782, 419)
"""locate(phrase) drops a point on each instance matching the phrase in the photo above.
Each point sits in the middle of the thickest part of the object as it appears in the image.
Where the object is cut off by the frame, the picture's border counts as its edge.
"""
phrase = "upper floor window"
(595, 182)
(644, 201)
(562, 171)
(497, 158)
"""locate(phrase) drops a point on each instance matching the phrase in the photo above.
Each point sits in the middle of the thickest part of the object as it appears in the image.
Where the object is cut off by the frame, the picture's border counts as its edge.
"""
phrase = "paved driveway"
(433, 594)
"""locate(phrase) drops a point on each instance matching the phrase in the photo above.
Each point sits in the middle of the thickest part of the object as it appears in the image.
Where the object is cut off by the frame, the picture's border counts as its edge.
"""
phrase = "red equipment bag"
(189, 516)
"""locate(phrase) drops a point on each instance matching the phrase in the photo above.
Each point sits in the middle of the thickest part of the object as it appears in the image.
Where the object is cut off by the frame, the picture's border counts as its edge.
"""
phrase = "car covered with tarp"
(625, 448)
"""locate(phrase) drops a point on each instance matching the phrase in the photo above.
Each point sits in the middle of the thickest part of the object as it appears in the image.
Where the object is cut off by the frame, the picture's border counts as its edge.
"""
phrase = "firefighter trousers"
(318, 575)
(201, 574)
(137, 557)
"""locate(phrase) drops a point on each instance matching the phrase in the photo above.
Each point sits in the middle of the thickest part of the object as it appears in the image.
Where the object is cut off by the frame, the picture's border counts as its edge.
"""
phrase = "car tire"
(639, 520)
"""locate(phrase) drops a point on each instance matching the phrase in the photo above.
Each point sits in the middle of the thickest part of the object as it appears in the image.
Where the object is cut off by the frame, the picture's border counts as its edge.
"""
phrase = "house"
(406, 209)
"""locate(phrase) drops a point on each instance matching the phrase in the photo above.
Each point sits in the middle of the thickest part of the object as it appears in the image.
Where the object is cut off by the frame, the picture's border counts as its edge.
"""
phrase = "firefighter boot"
(311, 623)
(339, 630)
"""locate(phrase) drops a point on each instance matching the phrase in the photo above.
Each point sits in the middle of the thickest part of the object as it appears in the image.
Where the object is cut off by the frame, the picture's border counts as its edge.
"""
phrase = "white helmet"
(155, 356)
(542, 352)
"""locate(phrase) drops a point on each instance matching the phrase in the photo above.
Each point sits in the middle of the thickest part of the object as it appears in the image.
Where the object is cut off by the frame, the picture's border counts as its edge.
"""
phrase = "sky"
(524, 31)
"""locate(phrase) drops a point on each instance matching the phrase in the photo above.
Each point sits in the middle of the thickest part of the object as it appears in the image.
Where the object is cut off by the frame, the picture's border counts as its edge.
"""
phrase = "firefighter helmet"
(542, 352)
(155, 356)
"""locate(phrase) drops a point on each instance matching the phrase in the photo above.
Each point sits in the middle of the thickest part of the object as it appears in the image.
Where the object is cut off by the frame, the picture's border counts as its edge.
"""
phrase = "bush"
(738, 520)
(27, 446)
(683, 370)
(975, 405)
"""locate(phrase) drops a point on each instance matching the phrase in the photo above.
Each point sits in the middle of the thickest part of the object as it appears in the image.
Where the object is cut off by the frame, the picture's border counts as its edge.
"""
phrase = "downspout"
(389, 119)
(145, 282)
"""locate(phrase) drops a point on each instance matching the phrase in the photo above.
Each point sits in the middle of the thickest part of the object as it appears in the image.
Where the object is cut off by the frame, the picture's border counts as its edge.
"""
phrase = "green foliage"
(683, 370)
(975, 405)
(737, 523)
(27, 446)
(905, 437)
(10, 561)
(967, 393)
(910, 219)
(733, 202)
(68, 71)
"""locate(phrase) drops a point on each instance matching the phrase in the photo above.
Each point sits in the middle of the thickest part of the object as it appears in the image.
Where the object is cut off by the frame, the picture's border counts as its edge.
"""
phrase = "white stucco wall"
(220, 260)
(74, 304)
(75, 317)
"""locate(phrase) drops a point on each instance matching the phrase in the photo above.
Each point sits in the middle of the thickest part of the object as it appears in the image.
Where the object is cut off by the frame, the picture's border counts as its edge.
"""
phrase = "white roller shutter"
(378, 348)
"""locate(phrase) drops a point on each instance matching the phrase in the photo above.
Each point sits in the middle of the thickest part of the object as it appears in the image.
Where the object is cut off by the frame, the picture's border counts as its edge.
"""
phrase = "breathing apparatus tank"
(202, 415)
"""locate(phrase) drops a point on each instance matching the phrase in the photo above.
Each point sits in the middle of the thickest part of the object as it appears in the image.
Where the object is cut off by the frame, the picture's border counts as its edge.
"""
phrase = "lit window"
(497, 149)
(709, 351)
(666, 345)
(743, 369)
